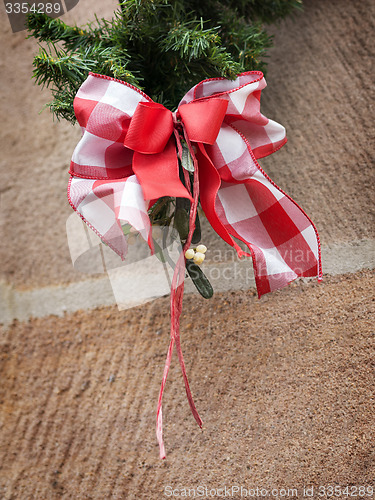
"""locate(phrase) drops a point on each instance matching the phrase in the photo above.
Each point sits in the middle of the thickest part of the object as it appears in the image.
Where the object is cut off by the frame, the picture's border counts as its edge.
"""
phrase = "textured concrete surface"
(284, 386)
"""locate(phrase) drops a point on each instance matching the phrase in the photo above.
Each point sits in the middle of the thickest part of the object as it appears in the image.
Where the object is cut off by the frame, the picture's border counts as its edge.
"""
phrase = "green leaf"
(181, 222)
(199, 279)
(186, 159)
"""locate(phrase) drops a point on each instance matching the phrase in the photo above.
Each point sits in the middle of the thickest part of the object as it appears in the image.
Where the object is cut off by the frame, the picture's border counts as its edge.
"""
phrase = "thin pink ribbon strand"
(177, 293)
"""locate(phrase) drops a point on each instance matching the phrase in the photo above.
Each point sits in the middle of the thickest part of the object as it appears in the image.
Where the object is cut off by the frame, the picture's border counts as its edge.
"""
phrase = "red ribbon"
(177, 292)
(155, 163)
(150, 136)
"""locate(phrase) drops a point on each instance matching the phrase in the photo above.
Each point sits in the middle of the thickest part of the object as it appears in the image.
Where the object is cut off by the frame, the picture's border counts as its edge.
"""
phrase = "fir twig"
(163, 47)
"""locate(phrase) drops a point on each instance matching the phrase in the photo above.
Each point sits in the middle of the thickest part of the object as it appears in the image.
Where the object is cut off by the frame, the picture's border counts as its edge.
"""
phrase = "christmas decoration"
(128, 159)
(139, 163)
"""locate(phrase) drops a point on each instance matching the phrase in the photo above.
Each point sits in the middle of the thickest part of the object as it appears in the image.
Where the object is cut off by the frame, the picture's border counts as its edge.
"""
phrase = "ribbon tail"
(178, 308)
(158, 173)
(178, 279)
(180, 289)
(159, 413)
(177, 293)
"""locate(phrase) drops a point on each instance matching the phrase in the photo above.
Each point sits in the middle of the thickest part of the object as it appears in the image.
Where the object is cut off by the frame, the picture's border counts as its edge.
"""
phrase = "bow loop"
(203, 119)
(150, 128)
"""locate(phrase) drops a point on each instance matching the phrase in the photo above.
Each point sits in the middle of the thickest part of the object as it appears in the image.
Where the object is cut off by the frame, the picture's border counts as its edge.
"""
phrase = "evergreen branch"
(191, 43)
(64, 72)
(45, 29)
(165, 46)
(62, 105)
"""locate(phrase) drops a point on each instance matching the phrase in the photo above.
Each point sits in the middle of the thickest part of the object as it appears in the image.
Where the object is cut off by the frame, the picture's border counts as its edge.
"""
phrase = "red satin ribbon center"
(150, 128)
(150, 136)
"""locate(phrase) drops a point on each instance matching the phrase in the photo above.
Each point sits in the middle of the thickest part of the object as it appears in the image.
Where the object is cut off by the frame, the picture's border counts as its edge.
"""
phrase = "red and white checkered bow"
(127, 157)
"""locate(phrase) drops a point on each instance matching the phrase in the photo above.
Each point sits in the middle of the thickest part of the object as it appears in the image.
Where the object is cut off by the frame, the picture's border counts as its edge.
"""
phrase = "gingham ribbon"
(127, 158)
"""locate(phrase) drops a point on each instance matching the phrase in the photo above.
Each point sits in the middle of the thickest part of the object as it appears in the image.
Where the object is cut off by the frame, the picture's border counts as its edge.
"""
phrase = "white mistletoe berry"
(201, 249)
(189, 254)
(199, 258)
